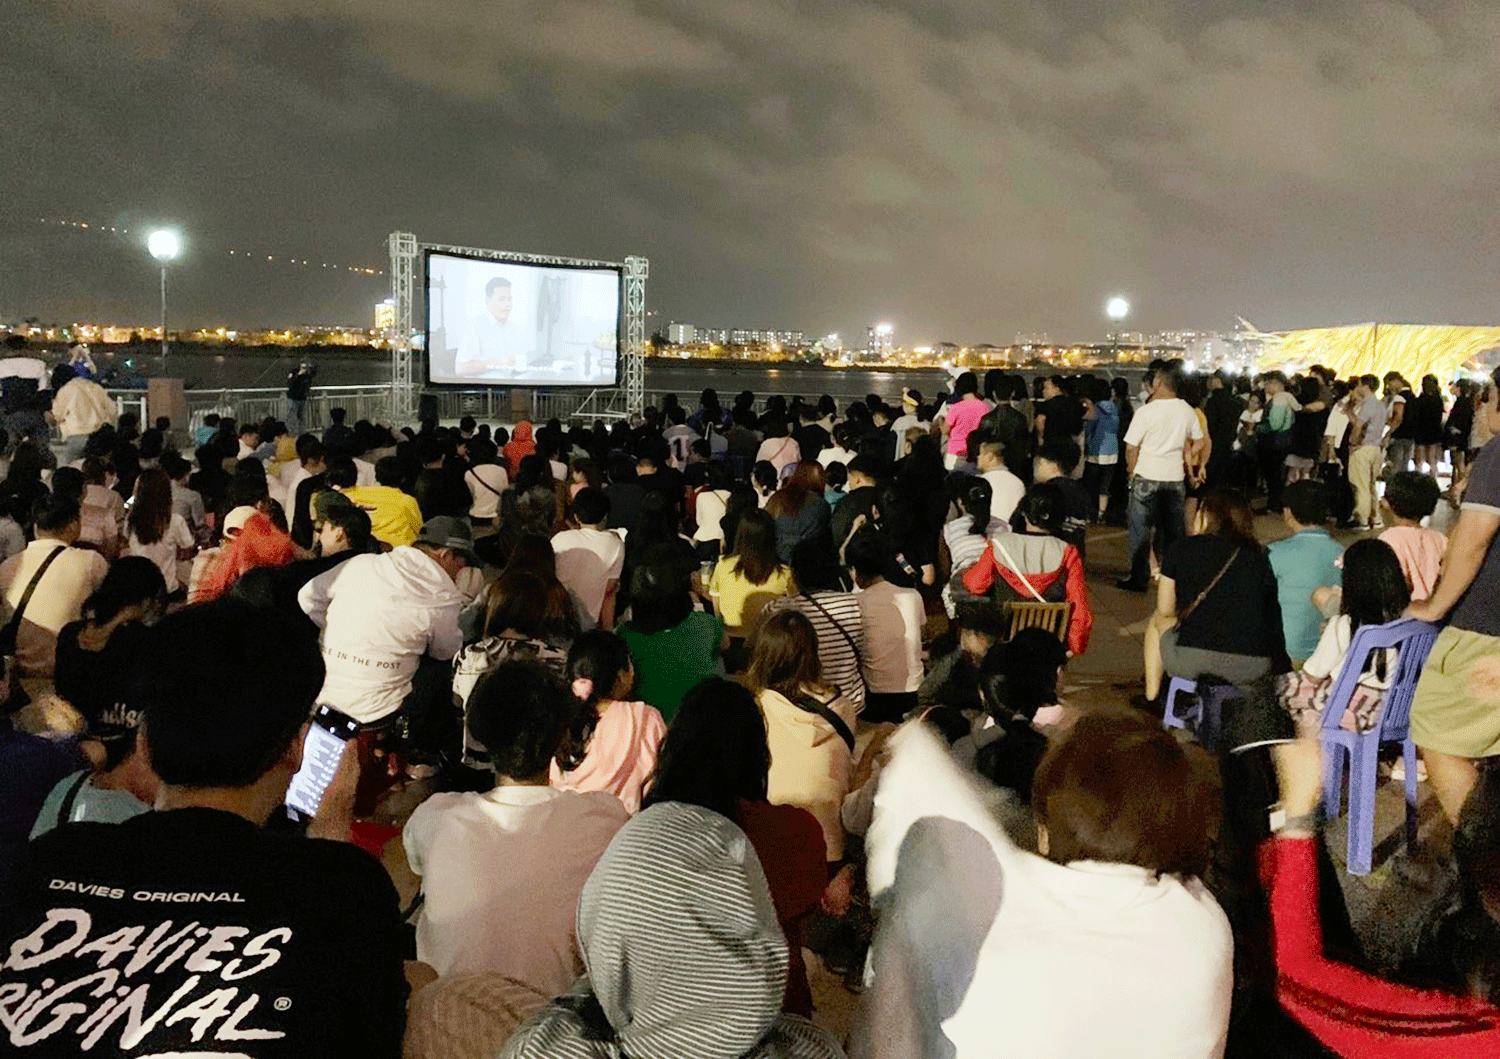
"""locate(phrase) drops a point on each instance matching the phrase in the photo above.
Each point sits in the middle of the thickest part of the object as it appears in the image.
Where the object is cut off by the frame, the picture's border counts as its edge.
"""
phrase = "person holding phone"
(292, 942)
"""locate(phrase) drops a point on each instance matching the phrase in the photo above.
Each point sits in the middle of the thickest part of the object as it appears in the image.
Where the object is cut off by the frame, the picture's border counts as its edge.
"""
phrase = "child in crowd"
(836, 475)
(613, 744)
(953, 680)
(1373, 592)
(1018, 684)
(1055, 463)
(1411, 497)
(763, 476)
(1304, 562)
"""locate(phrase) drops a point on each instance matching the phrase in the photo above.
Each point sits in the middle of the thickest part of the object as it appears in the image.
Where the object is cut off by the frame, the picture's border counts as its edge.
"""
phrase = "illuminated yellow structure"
(1360, 349)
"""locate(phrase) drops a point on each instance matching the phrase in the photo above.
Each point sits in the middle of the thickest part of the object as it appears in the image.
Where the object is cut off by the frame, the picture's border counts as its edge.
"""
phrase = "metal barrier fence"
(374, 403)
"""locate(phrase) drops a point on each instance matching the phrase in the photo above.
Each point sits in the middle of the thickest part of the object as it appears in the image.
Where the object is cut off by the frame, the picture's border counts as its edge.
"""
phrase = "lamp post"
(165, 244)
(1117, 308)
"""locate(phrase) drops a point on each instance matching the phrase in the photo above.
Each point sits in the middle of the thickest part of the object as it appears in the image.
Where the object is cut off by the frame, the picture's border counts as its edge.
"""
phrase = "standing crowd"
(642, 713)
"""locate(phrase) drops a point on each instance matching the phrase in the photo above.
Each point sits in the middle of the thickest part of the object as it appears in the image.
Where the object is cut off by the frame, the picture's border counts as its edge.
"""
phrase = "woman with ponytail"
(966, 537)
(613, 743)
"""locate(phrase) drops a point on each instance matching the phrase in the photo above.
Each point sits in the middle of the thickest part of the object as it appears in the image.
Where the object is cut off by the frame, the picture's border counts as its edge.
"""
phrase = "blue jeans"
(1157, 504)
(296, 416)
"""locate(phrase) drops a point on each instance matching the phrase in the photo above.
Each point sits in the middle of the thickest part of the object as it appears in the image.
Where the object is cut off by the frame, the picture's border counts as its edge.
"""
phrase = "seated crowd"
(639, 716)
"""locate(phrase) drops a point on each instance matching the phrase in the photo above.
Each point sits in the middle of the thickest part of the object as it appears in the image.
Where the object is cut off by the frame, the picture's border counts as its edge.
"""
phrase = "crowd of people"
(644, 711)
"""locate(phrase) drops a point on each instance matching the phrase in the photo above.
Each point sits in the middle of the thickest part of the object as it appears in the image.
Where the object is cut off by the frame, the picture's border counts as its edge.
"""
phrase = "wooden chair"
(1054, 617)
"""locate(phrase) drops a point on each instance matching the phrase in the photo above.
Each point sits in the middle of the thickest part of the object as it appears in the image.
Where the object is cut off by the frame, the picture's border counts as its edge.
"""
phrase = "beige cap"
(236, 519)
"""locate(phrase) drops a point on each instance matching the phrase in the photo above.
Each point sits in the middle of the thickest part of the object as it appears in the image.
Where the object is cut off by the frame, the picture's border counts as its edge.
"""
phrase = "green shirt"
(669, 662)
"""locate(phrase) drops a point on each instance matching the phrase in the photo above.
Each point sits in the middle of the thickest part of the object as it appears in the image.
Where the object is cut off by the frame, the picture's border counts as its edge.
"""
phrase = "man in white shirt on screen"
(492, 345)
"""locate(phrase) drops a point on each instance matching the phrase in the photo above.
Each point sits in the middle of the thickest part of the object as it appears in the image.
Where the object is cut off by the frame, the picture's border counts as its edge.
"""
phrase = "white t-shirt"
(1006, 493)
(587, 560)
(58, 599)
(707, 511)
(1160, 430)
(1082, 959)
(1338, 424)
(164, 552)
(833, 454)
(892, 619)
(899, 428)
(501, 874)
(486, 481)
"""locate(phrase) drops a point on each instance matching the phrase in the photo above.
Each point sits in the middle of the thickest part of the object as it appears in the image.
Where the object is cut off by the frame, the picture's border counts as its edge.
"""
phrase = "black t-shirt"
(811, 439)
(96, 683)
(1222, 409)
(856, 502)
(1064, 418)
(1407, 431)
(194, 932)
(1079, 507)
(1242, 615)
(624, 504)
(277, 586)
(665, 480)
(301, 513)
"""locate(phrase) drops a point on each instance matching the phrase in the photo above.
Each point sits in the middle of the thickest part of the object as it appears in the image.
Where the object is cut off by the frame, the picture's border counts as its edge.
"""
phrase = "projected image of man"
(493, 344)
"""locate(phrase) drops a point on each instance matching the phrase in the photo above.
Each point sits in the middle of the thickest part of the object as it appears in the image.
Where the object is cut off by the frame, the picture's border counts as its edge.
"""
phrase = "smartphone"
(322, 750)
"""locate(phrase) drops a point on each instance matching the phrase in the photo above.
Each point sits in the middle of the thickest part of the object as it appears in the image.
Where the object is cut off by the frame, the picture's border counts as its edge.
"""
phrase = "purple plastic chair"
(1413, 640)
(1203, 714)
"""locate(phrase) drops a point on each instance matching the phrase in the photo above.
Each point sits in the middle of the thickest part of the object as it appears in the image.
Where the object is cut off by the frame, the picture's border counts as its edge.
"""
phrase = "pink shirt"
(1421, 553)
(963, 417)
(621, 756)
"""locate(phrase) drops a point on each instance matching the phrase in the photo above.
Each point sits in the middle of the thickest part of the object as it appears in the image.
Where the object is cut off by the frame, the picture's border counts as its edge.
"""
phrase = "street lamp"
(165, 244)
(1117, 308)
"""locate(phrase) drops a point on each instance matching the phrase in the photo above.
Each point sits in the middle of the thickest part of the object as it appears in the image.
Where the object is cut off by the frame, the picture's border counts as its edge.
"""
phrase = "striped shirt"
(841, 638)
(965, 549)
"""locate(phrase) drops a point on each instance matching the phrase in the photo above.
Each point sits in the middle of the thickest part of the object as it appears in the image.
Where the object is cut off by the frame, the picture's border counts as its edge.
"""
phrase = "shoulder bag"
(859, 659)
(812, 705)
(995, 540)
(1182, 615)
(12, 628)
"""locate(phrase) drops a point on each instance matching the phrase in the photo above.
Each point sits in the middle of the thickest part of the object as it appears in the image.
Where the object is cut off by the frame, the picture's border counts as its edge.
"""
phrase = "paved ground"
(1383, 905)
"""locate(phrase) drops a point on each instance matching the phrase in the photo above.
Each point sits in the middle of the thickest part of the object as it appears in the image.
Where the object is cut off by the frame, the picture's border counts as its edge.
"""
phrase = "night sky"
(967, 169)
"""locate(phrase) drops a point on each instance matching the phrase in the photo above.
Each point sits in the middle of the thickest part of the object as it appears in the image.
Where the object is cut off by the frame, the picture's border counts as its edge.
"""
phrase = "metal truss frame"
(625, 400)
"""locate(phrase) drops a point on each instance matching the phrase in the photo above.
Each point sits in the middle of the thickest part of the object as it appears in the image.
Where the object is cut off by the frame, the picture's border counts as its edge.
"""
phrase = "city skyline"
(963, 171)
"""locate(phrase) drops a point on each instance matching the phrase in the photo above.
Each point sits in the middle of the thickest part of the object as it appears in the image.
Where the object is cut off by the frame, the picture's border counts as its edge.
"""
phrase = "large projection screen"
(501, 323)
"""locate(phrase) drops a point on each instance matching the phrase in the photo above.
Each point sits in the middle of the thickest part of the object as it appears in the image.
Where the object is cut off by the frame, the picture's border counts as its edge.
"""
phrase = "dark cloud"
(964, 167)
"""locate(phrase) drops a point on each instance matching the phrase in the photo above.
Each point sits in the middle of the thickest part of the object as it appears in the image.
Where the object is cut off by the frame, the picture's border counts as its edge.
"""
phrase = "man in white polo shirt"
(1164, 438)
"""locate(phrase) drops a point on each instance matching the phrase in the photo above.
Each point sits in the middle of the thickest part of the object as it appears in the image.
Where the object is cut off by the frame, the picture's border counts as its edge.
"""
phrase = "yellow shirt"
(810, 763)
(733, 592)
(395, 518)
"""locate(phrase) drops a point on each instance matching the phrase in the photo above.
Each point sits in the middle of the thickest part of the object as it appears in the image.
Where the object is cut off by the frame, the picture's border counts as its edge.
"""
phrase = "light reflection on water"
(213, 368)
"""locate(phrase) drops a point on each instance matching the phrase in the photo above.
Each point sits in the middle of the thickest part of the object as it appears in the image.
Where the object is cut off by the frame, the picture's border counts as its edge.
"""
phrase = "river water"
(214, 368)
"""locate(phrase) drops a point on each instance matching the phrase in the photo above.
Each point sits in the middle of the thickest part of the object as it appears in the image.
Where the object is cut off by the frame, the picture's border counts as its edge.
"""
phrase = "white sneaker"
(1398, 771)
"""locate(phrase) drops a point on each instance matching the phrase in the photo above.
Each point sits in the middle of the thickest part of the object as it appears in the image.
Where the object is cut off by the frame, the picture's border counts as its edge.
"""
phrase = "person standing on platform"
(298, 389)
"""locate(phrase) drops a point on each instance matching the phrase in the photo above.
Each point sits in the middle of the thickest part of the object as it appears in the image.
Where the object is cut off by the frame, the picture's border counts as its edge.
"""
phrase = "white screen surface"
(497, 322)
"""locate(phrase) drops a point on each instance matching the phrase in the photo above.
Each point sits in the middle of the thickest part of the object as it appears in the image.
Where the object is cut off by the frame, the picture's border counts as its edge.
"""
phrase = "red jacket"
(1353, 1013)
(1044, 562)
